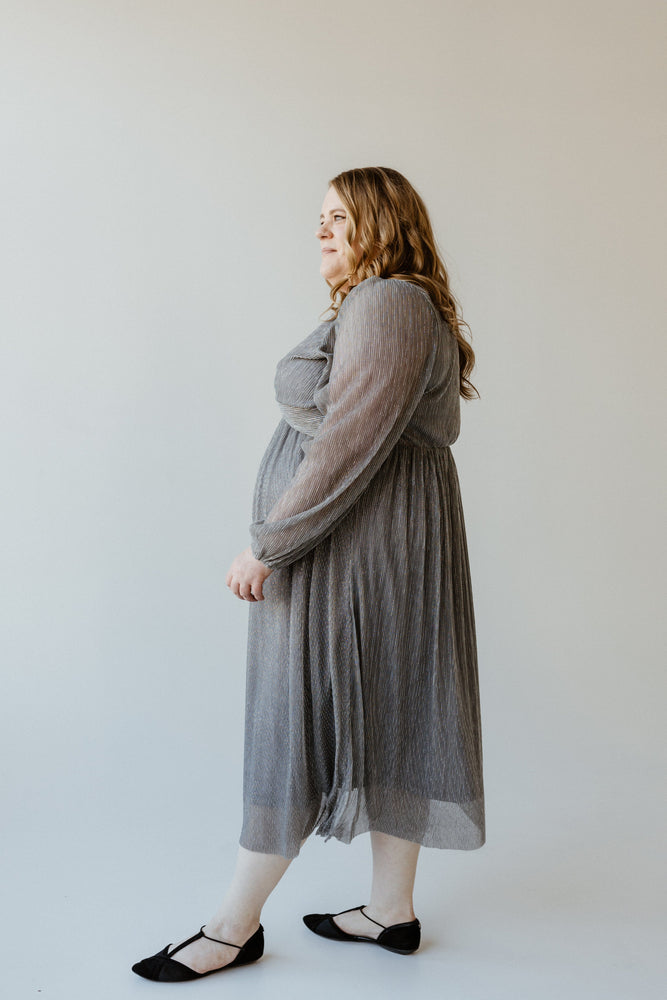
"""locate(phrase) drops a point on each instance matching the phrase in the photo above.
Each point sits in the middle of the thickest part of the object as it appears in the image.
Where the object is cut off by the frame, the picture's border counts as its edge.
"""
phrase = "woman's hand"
(246, 576)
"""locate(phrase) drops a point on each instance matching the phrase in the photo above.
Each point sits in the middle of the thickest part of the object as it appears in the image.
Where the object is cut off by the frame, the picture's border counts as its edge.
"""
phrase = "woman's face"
(331, 234)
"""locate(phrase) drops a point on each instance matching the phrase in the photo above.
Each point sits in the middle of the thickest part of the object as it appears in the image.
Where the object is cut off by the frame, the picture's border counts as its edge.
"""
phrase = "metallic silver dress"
(362, 696)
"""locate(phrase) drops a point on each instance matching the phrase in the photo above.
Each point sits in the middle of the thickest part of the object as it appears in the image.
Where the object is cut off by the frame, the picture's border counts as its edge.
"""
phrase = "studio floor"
(558, 903)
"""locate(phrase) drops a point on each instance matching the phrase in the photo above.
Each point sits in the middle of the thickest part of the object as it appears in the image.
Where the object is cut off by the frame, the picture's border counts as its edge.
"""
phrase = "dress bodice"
(302, 381)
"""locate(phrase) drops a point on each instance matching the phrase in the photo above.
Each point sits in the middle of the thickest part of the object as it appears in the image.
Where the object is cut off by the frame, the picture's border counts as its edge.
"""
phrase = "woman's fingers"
(245, 592)
(253, 591)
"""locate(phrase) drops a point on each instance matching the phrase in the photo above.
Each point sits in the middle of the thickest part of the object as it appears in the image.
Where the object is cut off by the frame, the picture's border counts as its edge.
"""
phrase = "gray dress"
(362, 696)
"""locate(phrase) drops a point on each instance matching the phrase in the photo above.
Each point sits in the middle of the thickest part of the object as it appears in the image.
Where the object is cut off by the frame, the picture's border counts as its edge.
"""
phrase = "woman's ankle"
(389, 914)
(235, 928)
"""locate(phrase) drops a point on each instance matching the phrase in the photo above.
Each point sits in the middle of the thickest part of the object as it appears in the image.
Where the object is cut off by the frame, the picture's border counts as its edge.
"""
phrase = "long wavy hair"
(389, 222)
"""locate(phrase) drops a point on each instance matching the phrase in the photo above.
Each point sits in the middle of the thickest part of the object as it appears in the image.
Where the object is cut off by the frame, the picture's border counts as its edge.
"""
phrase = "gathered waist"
(409, 442)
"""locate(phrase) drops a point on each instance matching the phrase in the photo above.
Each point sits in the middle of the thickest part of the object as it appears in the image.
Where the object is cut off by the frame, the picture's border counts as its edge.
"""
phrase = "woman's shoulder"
(375, 291)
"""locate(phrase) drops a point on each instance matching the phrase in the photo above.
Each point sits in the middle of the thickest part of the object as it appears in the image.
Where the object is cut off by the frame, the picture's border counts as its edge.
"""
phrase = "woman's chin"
(330, 278)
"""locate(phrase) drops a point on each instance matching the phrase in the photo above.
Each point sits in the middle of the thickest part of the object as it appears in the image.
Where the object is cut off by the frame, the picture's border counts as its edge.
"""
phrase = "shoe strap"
(361, 908)
(196, 937)
(239, 946)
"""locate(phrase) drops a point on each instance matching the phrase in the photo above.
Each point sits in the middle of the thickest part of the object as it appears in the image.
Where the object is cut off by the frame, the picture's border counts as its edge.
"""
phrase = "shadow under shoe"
(404, 939)
(162, 968)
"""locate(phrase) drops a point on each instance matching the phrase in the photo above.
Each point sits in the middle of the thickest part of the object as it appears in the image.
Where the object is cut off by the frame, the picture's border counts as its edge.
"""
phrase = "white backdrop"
(164, 165)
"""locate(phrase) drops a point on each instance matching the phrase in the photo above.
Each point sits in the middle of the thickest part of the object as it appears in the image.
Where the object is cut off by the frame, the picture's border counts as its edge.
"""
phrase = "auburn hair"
(388, 220)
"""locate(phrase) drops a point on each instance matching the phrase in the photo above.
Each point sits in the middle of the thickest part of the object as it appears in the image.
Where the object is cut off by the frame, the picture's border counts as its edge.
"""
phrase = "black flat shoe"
(400, 938)
(162, 968)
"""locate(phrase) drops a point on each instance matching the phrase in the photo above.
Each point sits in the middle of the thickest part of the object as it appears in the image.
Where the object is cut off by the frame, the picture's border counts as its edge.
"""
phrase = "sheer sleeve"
(383, 358)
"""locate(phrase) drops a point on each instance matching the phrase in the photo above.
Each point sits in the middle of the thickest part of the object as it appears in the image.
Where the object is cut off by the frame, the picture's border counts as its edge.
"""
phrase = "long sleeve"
(383, 358)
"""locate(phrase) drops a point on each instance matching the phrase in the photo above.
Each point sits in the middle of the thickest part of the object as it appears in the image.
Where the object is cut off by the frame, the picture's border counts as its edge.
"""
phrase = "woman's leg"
(394, 870)
(238, 916)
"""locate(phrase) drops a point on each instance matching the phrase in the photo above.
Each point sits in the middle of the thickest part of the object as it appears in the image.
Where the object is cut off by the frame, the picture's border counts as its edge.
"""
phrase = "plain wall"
(164, 166)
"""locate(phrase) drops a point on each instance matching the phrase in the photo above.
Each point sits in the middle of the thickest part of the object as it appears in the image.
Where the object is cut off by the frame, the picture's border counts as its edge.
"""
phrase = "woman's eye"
(339, 218)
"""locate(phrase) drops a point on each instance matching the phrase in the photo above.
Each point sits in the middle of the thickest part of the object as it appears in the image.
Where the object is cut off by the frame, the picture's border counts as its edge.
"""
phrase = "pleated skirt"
(362, 692)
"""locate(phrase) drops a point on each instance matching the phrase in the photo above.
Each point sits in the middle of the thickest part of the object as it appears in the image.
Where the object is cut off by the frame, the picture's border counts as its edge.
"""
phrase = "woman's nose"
(322, 232)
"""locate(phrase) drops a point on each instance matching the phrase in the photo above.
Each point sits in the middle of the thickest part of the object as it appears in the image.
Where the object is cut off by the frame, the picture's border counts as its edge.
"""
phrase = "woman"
(362, 706)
